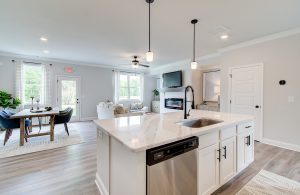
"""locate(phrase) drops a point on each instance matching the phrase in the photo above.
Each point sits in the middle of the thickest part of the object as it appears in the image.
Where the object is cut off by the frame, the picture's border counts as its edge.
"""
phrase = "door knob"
(257, 106)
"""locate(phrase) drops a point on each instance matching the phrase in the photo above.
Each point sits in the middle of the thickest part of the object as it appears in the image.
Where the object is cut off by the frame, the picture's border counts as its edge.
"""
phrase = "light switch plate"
(291, 99)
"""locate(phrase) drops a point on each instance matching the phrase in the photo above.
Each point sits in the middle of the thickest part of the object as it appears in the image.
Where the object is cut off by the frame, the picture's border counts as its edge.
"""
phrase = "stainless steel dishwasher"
(172, 168)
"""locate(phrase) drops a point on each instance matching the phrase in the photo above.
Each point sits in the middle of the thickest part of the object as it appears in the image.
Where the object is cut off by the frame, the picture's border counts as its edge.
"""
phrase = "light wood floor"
(71, 170)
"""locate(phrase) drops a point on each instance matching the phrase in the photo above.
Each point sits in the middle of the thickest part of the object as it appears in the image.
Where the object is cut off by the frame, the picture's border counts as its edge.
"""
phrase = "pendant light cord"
(194, 43)
(149, 24)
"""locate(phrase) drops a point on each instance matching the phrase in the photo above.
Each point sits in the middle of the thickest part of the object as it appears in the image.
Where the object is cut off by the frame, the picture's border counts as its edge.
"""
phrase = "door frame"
(261, 65)
(79, 91)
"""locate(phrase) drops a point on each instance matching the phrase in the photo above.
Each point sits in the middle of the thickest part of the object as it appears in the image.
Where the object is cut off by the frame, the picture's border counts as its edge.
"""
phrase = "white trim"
(280, 144)
(88, 119)
(101, 186)
(183, 63)
(261, 65)
(261, 40)
(219, 52)
(69, 62)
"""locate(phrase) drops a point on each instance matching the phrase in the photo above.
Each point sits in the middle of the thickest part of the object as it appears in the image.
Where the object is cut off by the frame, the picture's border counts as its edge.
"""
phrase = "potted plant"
(156, 94)
(8, 101)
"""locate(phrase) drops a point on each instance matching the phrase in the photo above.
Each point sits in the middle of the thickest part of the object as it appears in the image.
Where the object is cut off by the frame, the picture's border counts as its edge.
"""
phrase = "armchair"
(63, 118)
(10, 124)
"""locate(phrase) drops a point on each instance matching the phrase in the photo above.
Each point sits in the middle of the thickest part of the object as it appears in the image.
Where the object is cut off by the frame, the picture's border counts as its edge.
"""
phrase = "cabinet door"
(241, 148)
(228, 159)
(103, 160)
(208, 170)
(249, 148)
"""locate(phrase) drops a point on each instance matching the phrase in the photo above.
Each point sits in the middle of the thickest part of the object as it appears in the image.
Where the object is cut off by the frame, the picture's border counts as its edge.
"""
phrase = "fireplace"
(174, 103)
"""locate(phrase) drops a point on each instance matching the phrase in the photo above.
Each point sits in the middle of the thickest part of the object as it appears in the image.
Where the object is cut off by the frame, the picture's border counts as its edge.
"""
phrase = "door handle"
(225, 152)
(257, 106)
(219, 158)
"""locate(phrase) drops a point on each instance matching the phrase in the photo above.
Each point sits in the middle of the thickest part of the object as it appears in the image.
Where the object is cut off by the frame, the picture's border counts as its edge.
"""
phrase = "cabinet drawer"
(245, 127)
(228, 133)
(208, 139)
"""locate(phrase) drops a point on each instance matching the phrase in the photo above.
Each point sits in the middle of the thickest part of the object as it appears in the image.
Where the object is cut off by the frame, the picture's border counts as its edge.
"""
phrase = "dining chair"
(10, 124)
(8, 112)
(64, 117)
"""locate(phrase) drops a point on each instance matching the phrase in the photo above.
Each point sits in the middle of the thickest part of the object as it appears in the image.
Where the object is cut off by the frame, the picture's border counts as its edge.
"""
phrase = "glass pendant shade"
(149, 56)
(135, 65)
(194, 65)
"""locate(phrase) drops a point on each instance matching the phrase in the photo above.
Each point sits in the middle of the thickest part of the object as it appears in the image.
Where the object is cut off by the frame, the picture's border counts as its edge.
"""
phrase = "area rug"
(268, 183)
(35, 144)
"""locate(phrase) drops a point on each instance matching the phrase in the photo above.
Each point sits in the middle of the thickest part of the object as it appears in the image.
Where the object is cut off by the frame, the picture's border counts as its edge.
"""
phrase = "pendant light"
(149, 54)
(194, 63)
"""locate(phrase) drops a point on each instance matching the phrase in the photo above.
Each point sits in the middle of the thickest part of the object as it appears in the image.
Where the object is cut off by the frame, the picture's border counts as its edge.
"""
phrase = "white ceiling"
(109, 32)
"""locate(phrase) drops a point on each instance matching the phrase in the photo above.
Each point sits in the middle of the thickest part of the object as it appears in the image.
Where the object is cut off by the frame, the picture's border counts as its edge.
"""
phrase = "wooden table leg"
(52, 128)
(22, 130)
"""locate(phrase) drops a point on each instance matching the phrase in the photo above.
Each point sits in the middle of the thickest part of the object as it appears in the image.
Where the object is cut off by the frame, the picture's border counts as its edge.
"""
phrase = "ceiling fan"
(136, 63)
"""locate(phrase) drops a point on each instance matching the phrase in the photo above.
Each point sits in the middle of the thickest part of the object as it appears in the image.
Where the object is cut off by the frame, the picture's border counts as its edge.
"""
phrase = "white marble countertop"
(140, 133)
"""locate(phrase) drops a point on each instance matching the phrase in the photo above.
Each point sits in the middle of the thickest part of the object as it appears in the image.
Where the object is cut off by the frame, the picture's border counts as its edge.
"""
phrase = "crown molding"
(68, 62)
(261, 40)
(179, 64)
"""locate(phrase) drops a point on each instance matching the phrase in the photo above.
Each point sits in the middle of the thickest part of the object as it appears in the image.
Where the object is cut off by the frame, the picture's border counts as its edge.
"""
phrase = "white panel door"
(228, 159)
(68, 95)
(246, 86)
(208, 170)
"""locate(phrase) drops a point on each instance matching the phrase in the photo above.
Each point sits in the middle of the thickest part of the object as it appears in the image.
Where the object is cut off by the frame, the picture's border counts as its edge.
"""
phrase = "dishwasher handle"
(165, 152)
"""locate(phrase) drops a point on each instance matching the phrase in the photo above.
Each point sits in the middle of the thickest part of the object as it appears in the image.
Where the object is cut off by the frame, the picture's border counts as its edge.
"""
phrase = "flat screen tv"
(172, 79)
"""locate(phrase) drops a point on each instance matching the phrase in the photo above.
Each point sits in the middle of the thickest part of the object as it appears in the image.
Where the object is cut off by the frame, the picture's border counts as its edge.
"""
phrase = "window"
(33, 80)
(129, 86)
(33, 83)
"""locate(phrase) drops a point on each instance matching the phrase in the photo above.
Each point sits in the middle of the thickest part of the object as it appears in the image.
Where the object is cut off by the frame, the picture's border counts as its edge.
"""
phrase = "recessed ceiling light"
(44, 39)
(46, 51)
(224, 36)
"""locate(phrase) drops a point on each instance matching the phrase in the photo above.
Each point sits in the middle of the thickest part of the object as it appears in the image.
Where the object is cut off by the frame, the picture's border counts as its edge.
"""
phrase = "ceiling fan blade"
(147, 66)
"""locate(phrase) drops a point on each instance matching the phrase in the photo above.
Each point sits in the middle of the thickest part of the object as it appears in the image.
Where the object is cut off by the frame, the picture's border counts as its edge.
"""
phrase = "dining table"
(28, 113)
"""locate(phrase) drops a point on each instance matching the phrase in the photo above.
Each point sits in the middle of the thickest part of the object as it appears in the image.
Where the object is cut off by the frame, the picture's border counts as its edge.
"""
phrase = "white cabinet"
(103, 161)
(216, 159)
(208, 169)
(249, 151)
(228, 159)
(222, 154)
(245, 146)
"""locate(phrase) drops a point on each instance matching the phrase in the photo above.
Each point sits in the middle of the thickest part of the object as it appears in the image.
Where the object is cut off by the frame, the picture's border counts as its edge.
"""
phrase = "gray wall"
(281, 59)
(149, 85)
(96, 84)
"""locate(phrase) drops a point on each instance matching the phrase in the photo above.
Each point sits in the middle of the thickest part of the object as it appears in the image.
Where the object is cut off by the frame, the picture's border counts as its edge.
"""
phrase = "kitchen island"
(225, 148)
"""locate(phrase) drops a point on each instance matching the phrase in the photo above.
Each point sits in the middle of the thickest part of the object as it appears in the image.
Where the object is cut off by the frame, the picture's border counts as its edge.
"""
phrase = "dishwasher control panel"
(165, 152)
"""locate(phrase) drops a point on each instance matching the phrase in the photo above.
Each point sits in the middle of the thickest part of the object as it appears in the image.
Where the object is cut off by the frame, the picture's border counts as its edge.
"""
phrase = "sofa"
(108, 110)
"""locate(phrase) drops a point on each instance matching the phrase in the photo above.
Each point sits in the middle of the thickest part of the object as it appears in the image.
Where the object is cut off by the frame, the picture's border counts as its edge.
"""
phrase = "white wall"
(150, 83)
(281, 59)
(96, 84)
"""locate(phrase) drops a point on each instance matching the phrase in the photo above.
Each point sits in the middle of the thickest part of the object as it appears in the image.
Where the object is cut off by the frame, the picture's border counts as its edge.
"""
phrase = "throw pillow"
(119, 110)
(136, 106)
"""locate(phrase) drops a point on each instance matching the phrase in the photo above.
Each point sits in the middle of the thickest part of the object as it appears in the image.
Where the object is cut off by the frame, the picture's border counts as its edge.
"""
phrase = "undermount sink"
(197, 123)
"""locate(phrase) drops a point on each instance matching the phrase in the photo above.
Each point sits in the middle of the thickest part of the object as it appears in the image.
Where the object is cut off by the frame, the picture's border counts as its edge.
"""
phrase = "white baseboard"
(284, 145)
(88, 119)
(100, 185)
